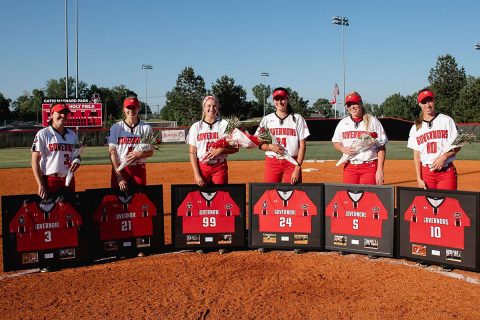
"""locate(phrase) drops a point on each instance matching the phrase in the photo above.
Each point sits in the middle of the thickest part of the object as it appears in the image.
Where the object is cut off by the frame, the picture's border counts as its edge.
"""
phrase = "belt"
(215, 161)
(358, 162)
(57, 175)
(445, 166)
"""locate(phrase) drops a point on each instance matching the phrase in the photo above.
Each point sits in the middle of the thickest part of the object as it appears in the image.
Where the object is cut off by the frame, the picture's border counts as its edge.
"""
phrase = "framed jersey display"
(126, 223)
(359, 219)
(439, 227)
(43, 233)
(283, 216)
(208, 218)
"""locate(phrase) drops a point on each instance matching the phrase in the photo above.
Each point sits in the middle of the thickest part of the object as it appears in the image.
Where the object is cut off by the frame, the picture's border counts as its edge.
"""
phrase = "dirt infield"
(246, 284)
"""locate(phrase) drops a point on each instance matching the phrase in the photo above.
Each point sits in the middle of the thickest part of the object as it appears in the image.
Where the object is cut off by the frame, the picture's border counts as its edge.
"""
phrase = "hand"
(438, 163)
(199, 180)
(295, 175)
(122, 183)
(350, 151)
(421, 184)
(278, 149)
(133, 156)
(379, 177)
(42, 192)
(212, 153)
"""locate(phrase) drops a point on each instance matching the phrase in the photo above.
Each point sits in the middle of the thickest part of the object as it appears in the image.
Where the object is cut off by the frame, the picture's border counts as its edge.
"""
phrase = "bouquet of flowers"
(149, 142)
(363, 143)
(225, 139)
(78, 149)
(459, 141)
(266, 136)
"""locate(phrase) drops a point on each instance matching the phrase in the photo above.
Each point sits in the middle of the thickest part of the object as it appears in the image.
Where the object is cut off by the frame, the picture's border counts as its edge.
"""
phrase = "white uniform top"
(347, 131)
(124, 138)
(56, 150)
(432, 138)
(288, 131)
(202, 134)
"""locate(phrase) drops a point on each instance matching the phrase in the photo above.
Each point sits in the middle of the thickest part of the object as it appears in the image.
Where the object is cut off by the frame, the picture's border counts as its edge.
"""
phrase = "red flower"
(374, 135)
(221, 143)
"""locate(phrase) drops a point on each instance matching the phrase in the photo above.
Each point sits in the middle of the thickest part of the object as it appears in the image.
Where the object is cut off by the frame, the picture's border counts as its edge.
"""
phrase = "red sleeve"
(329, 208)
(306, 203)
(383, 213)
(409, 212)
(228, 200)
(145, 200)
(457, 208)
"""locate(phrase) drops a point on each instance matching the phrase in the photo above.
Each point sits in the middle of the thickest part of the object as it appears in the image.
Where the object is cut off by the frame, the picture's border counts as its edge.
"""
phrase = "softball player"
(365, 167)
(52, 153)
(213, 168)
(431, 134)
(291, 130)
(122, 139)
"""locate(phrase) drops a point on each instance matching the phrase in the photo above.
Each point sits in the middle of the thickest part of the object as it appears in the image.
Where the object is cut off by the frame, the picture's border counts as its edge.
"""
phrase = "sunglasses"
(279, 98)
(131, 107)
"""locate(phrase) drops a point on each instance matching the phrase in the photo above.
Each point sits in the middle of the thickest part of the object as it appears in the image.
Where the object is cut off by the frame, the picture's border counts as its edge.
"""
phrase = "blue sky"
(390, 46)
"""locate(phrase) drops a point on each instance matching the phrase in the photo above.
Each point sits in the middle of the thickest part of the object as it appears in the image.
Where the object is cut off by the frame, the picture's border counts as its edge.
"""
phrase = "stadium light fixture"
(477, 46)
(146, 67)
(342, 21)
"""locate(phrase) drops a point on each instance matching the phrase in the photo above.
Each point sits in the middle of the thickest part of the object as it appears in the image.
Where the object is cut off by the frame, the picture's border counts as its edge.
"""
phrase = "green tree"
(262, 94)
(374, 109)
(232, 97)
(29, 106)
(56, 89)
(467, 105)
(184, 101)
(323, 107)
(398, 106)
(5, 113)
(446, 81)
(299, 105)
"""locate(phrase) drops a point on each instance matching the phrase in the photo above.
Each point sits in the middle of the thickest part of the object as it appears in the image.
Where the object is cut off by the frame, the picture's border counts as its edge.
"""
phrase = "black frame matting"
(47, 234)
(366, 229)
(125, 231)
(290, 230)
(202, 228)
(437, 238)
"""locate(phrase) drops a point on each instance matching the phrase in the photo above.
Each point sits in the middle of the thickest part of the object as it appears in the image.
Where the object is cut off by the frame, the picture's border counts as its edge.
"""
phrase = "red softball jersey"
(285, 211)
(438, 221)
(46, 226)
(208, 212)
(120, 217)
(356, 213)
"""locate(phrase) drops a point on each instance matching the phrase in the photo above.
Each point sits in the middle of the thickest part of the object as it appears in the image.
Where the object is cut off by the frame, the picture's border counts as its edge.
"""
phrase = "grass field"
(316, 150)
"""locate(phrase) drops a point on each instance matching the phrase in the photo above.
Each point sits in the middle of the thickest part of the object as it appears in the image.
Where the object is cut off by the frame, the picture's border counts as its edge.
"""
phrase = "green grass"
(318, 150)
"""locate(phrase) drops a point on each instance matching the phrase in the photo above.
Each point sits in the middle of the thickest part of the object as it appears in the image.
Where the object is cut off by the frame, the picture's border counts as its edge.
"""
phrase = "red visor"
(131, 102)
(280, 92)
(59, 107)
(425, 94)
(353, 98)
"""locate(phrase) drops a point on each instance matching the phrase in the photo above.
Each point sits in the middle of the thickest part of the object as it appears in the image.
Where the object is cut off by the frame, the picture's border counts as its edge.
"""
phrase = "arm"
(135, 155)
(346, 150)
(381, 152)
(197, 176)
(37, 173)
(440, 160)
(272, 147)
(112, 151)
(212, 153)
(301, 155)
(418, 169)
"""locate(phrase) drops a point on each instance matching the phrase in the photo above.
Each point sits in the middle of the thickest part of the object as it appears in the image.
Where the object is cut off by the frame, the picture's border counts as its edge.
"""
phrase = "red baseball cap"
(422, 95)
(131, 101)
(280, 92)
(353, 97)
(59, 107)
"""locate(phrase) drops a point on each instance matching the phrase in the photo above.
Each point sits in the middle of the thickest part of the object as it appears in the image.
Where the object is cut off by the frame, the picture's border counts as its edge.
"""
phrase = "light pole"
(146, 67)
(264, 75)
(342, 21)
(477, 46)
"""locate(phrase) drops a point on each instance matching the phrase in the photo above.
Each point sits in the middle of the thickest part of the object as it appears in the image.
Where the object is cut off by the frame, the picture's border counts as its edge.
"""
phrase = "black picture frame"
(293, 229)
(125, 224)
(222, 226)
(439, 232)
(366, 229)
(50, 233)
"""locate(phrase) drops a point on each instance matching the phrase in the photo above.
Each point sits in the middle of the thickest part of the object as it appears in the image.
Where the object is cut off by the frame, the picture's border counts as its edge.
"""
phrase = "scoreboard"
(84, 113)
